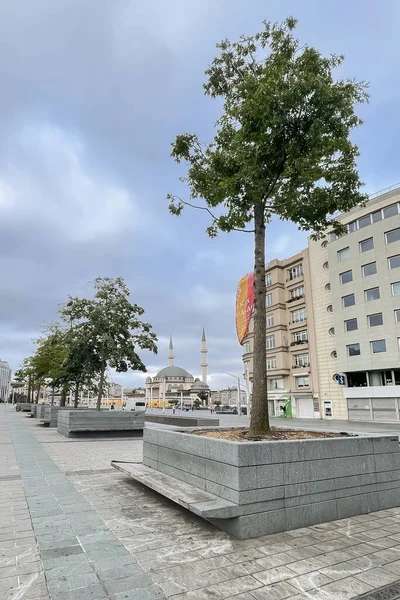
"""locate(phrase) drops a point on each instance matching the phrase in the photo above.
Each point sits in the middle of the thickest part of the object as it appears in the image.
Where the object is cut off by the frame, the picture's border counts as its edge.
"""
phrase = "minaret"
(170, 353)
(204, 364)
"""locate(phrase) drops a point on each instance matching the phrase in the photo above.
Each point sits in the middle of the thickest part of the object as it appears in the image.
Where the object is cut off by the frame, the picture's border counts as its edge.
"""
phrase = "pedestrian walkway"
(72, 528)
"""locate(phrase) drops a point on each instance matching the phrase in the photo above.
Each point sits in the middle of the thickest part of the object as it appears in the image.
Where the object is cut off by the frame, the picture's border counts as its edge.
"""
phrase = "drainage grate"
(388, 592)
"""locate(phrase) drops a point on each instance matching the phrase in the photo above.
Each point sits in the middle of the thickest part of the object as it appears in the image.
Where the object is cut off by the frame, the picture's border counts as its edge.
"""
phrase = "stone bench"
(23, 406)
(73, 422)
(182, 420)
(34, 409)
(274, 486)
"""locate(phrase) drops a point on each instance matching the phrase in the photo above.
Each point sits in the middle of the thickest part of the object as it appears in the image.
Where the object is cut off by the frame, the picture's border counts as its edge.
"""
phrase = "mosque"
(175, 383)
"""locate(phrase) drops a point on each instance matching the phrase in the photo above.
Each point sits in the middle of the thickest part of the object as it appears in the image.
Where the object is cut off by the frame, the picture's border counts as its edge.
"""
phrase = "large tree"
(109, 330)
(282, 147)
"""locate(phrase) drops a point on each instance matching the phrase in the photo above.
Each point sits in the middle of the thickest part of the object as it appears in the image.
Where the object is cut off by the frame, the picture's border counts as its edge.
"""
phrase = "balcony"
(299, 342)
(304, 366)
(294, 298)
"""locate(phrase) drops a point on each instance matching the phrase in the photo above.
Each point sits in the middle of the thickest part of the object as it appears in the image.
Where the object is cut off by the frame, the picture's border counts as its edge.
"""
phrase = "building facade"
(357, 308)
(5, 381)
(333, 320)
(291, 360)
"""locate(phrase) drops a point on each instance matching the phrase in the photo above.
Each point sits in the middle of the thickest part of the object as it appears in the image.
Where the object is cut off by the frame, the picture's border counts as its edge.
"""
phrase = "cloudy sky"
(92, 94)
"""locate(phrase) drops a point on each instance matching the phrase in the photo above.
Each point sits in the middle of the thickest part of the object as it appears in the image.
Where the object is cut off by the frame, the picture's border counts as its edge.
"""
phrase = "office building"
(5, 381)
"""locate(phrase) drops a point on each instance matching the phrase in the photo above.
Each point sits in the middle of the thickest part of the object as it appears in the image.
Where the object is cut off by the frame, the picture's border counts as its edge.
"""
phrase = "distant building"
(5, 381)
(175, 383)
(114, 390)
(228, 397)
(135, 392)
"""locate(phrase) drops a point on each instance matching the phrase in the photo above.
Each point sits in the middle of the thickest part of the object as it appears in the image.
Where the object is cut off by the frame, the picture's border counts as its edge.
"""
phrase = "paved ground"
(72, 528)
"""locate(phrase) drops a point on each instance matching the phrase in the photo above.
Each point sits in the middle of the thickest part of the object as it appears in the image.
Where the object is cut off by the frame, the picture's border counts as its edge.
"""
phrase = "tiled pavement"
(72, 528)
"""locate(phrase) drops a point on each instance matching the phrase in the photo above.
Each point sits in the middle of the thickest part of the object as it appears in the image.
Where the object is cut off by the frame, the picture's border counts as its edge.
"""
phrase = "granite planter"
(75, 421)
(182, 420)
(270, 487)
(23, 406)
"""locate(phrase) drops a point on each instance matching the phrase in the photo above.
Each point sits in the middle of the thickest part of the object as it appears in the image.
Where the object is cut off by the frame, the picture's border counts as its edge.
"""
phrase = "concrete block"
(357, 505)
(355, 491)
(314, 470)
(175, 440)
(385, 444)
(261, 495)
(222, 451)
(150, 451)
(389, 485)
(254, 525)
(389, 498)
(149, 462)
(309, 499)
(181, 420)
(150, 436)
(222, 491)
(384, 476)
(269, 475)
(197, 482)
(312, 514)
(387, 462)
(183, 461)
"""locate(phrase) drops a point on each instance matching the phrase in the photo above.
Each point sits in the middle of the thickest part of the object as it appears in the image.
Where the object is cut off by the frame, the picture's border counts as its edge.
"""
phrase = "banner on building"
(244, 305)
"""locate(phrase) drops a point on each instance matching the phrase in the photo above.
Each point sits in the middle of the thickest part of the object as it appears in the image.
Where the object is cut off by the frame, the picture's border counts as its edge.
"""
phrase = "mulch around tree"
(240, 434)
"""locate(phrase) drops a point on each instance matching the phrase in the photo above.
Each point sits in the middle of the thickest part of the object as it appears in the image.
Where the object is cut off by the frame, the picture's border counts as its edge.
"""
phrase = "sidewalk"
(73, 529)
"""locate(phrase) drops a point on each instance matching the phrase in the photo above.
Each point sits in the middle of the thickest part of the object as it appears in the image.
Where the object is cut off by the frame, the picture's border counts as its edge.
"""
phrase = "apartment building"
(5, 381)
(356, 299)
(291, 360)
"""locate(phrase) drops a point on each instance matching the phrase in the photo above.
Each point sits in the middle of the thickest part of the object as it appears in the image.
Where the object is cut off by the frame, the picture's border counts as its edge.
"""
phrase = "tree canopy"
(282, 147)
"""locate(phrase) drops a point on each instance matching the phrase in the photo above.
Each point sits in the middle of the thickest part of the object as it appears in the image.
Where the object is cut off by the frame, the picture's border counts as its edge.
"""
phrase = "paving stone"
(273, 575)
(92, 592)
(64, 584)
(115, 586)
(152, 592)
(276, 591)
(377, 577)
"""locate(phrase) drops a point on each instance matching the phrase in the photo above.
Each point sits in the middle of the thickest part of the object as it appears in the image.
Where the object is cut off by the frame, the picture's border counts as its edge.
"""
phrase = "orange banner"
(244, 305)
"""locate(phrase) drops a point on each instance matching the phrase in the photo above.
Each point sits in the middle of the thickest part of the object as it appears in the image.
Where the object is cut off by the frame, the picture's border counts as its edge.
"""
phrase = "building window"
(351, 325)
(364, 221)
(375, 320)
(270, 319)
(302, 382)
(295, 272)
(353, 350)
(302, 360)
(331, 331)
(346, 277)
(377, 216)
(352, 226)
(344, 254)
(369, 269)
(349, 300)
(299, 315)
(393, 236)
(271, 362)
(327, 287)
(268, 299)
(300, 336)
(270, 341)
(390, 211)
(396, 289)
(246, 347)
(276, 384)
(394, 261)
(333, 354)
(378, 346)
(366, 245)
(268, 279)
(397, 315)
(372, 294)
(297, 292)
(324, 244)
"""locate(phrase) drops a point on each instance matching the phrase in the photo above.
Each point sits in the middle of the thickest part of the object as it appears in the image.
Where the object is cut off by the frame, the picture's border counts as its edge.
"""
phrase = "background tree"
(196, 402)
(203, 396)
(282, 148)
(49, 359)
(110, 329)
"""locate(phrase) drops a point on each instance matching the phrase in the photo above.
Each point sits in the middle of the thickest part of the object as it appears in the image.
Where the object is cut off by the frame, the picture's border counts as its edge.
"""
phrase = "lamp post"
(238, 389)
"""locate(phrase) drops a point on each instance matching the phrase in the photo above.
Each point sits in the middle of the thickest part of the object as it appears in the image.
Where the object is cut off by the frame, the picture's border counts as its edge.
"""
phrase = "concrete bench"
(73, 422)
(34, 409)
(23, 406)
(181, 420)
(199, 502)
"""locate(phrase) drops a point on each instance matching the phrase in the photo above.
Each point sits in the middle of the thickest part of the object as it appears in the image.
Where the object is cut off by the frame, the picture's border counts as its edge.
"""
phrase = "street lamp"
(238, 389)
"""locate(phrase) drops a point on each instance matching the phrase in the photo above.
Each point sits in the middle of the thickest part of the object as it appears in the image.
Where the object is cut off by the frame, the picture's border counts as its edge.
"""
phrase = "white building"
(5, 381)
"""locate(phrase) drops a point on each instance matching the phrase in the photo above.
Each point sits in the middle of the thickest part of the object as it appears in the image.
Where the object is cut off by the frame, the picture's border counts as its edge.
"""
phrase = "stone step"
(198, 501)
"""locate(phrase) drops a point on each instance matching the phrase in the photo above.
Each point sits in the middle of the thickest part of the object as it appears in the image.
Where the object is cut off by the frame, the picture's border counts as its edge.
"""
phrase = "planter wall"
(278, 486)
(71, 422)
(23, 406)
(34, 409)
(182, 421)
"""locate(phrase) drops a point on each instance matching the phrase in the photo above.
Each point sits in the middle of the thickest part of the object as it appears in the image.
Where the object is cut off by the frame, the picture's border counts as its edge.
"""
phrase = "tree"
(196, 402)
(109, 329)
(203, 396)
(282, 147)
(49, 359)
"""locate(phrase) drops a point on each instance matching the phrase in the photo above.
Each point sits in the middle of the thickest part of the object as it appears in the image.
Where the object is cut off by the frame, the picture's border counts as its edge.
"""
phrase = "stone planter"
(34, 409)
(23, 406)
(258, 488)
(182, 420)
(40, 410)
(71, 422)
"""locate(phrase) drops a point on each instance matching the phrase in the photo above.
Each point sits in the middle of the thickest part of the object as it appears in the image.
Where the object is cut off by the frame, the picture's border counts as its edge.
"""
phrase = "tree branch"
(211, 214)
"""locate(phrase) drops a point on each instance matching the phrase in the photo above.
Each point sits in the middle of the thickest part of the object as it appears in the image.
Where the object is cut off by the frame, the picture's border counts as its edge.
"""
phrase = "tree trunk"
(76, 395)
(259, 422)
(37, 394)
(101, 383)
(64, 392)
(52, 395)
(29, 387)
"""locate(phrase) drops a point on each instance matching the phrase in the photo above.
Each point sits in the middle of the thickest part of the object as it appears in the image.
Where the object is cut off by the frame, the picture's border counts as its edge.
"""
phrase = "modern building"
(175, 383)
(291, 361)
(5, 381)
(228, 397)
(333, 320)
(356, 298)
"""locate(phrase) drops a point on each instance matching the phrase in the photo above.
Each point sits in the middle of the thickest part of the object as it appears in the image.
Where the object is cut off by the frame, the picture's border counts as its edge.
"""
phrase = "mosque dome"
(199, 386)
(173, 372)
